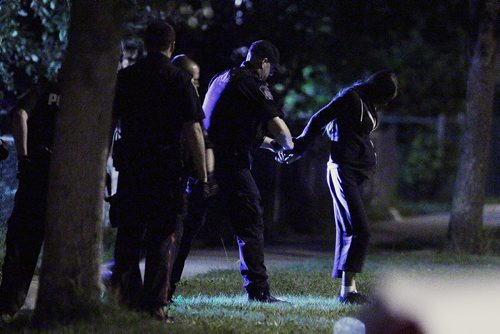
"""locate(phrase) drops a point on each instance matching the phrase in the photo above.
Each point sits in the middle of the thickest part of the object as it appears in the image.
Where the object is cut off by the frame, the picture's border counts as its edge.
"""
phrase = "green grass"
(215, 303)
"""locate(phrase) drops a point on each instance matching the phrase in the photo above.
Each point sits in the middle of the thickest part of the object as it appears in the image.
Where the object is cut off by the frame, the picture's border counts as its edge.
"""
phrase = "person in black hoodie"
(348, 121)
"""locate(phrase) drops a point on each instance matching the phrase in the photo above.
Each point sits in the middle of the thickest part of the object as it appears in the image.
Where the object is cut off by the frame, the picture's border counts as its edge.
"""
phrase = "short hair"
(263, 49)
(158, 36)
(184, 62)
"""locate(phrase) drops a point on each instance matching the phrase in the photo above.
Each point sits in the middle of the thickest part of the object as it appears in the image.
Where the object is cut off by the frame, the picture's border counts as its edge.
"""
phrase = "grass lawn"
(215, 303)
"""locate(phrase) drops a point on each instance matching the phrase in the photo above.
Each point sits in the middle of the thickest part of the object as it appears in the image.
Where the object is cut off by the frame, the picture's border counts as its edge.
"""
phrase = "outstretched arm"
(319, 120)
(313, 128)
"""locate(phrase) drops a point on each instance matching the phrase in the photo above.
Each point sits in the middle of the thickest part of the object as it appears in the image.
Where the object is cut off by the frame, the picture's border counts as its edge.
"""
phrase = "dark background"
(325, 45)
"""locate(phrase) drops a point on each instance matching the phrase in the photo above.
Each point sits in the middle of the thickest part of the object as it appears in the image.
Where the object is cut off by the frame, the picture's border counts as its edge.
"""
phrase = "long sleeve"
(319, 120)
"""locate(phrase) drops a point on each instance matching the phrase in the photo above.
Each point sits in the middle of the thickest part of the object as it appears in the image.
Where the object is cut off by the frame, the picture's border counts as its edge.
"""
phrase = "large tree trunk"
(468, 200)
(69, 282)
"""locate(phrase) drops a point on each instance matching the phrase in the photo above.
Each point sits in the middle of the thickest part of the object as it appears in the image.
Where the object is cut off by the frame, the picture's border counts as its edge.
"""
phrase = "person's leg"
(126, 276)
(351, 226)
(244, 210)
(25, 233)
(249, 227)
(193, 221)
(159, 255)
(241, 197)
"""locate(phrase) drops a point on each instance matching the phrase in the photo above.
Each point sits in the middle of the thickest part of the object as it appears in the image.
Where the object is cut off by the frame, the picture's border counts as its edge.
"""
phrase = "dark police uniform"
(153, 100)
(240, 105)
(352, 162)
(25, 231)
(196, 210)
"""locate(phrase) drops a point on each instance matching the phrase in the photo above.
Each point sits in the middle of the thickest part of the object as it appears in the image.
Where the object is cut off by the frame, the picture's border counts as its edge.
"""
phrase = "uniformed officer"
(197, 203)
(33, 121)
(155, 102)
(242, 112)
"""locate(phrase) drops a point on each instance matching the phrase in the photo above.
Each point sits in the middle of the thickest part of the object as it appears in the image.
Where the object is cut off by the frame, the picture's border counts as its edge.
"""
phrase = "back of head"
(158, 36)
(380, 88)
(185, 63)
(263, 49)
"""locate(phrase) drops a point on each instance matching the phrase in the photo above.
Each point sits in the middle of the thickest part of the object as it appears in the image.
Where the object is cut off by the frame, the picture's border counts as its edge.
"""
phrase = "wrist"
(275, 146)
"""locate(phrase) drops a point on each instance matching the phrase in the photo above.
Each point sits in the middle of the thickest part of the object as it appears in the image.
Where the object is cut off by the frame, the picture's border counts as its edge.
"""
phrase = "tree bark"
(69, 282)
(467, 208)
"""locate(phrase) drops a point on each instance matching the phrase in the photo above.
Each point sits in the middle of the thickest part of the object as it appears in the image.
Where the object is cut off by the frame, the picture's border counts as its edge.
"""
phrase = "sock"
(345, 289)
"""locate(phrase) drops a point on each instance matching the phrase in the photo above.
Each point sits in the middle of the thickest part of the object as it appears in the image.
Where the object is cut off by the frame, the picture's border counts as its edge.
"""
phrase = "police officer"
(33, 121)
(197, 203)
(242, 111)
(155, 102)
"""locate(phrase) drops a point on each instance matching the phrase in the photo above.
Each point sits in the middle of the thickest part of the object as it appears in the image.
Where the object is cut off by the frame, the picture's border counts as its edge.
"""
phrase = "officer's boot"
(262, 295)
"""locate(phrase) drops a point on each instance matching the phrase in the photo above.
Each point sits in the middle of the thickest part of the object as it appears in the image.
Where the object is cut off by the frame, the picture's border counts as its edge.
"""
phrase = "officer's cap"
(265, 49)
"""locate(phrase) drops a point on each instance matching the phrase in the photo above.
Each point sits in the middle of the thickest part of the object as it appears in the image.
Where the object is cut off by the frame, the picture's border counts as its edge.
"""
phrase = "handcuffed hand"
(288, 157)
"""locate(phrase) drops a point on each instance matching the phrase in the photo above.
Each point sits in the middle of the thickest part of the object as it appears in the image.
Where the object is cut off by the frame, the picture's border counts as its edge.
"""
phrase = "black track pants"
(352, 236)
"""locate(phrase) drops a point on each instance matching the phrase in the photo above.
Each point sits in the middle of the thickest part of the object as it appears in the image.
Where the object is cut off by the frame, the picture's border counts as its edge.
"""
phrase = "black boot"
(263, 296)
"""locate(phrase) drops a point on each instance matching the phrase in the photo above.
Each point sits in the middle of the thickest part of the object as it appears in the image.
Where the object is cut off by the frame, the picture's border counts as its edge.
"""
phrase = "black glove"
(213, 186)
(203, 190)
(4, 151)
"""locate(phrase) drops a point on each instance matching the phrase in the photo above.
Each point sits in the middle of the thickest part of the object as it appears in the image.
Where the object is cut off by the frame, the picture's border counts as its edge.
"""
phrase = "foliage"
(422, 168)
(342, 41)
(34, 37)
(324, 46)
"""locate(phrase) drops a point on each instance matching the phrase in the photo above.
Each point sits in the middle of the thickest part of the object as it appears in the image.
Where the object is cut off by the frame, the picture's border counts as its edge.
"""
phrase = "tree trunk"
(467, 208)
(69, 282)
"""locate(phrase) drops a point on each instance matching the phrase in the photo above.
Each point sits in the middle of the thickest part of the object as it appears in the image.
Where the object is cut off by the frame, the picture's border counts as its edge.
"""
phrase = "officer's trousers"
(191, 225)
(25, 234)
(148, 205)
(352, 235)
(243, 203)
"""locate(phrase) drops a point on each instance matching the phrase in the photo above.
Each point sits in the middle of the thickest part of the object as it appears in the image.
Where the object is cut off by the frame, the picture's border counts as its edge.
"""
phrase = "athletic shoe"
(354, 298)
